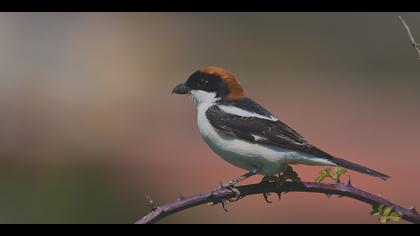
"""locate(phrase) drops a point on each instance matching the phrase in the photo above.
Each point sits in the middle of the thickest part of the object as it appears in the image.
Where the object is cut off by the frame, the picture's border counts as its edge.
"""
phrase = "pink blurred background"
(89, 126)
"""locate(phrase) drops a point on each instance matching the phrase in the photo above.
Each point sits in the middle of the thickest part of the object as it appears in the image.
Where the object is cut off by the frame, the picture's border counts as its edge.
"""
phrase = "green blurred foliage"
(63, 195)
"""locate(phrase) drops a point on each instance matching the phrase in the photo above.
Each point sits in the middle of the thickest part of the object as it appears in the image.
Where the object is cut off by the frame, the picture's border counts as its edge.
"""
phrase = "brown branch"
(413, 41)
(221, 195)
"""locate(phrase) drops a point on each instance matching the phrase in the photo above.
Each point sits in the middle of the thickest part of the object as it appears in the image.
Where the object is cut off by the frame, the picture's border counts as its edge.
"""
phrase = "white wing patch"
(258, 138)
(244, 113)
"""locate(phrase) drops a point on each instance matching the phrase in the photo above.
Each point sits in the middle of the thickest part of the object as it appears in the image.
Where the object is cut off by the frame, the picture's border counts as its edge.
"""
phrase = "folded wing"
(276, 133)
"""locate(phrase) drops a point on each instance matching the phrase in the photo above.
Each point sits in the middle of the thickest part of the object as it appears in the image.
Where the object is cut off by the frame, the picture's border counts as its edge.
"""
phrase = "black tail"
(358, 168)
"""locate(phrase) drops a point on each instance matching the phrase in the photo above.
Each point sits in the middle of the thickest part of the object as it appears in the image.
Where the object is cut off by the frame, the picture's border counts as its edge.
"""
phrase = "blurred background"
(88, 125)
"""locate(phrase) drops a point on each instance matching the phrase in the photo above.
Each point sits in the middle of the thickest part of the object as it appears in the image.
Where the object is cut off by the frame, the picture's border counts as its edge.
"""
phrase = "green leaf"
(375, 214)
(375, 211)
(387, 211)
(340, 171)
(320, 178)
(395, 216)
(381, 207)
(383, 220)
(326, 172)
(323, 175)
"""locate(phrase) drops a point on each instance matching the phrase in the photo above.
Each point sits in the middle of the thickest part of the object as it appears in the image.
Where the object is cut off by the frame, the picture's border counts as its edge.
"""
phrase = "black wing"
(258, 130)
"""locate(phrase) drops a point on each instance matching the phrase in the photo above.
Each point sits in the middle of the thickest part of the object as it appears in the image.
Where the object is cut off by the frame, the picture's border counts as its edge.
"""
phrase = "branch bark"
(413, 41)
(221, 195)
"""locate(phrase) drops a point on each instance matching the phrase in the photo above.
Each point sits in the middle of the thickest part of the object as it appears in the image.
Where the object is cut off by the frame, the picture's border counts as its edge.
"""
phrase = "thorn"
(180, 197)
(349, 182)
(413, 209)
(266, 196)
(215, 192)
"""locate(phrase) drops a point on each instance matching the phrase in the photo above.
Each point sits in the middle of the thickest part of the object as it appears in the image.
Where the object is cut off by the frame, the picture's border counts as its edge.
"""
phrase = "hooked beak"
(181, 89)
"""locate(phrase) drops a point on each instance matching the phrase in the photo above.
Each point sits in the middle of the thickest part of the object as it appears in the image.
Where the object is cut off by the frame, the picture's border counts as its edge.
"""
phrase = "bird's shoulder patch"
(248, 105)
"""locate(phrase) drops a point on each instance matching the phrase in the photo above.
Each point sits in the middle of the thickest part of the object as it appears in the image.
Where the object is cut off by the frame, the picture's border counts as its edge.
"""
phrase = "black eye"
(202, 82)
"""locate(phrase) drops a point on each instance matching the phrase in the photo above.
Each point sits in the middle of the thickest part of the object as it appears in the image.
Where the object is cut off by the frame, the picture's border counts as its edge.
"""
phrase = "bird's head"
(210, 84)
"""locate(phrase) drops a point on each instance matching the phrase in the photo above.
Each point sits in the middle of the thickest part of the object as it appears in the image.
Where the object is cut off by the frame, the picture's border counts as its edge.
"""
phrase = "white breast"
(241, 153)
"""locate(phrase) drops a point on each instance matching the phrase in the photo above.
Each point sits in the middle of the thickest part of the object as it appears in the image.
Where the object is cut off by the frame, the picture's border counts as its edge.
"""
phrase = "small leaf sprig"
(325, 174)
(385, 214)
(150, 203)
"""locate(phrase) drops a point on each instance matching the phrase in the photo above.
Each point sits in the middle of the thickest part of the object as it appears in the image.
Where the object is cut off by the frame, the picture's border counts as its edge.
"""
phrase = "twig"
(413, 41)
(222, 195)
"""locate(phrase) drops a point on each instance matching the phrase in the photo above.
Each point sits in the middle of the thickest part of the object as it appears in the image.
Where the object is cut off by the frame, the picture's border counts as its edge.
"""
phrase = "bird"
(247, 135)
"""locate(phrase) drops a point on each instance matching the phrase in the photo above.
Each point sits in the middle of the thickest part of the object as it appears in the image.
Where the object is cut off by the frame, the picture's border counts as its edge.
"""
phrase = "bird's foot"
(231, 187)
(290, 174)
(273, 179)
(279, 181)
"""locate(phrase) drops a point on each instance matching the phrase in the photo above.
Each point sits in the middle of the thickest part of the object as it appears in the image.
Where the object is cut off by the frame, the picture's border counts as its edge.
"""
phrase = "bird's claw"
(223, 202)
(290, 174)
(238, 195)
(266, 196)
(230, 187)
(272, 179)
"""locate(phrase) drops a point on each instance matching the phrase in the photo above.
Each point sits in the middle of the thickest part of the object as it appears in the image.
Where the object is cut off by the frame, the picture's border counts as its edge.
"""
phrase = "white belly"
(241, 153)
(247, 155)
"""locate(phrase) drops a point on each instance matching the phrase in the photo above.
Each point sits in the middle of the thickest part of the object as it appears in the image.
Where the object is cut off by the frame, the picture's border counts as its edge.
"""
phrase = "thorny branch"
(222, 195)
(413, 41)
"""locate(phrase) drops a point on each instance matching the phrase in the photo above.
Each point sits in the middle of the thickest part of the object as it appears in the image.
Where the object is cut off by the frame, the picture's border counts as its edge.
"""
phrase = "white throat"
(200, 97)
